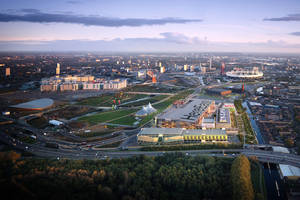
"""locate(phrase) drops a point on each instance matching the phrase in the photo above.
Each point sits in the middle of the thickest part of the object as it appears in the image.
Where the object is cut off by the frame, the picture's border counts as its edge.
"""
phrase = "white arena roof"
(38, 104)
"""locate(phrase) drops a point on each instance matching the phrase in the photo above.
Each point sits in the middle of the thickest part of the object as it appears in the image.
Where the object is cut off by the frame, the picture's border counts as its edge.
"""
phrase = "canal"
(274, 184)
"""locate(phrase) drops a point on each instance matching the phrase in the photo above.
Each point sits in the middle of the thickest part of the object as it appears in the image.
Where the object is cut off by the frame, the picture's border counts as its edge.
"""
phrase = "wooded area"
(173, 176)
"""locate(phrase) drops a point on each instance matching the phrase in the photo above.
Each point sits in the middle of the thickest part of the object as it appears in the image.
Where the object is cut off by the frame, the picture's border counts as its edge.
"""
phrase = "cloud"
(73, 2)
(295, 33)
(36, 16)
(291, 17)
(166, 42)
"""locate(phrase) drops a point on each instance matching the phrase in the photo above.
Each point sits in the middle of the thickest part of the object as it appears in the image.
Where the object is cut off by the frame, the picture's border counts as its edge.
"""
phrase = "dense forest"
(173, 176)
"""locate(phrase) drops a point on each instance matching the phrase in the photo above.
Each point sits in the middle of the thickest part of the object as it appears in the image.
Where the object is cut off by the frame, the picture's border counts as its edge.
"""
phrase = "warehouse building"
(187, 115)
(218, 91)
(180, 135)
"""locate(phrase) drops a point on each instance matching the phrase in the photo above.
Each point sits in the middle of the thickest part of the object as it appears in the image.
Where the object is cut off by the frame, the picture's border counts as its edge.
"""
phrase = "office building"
(223, 118)
(162, 69)
(7, 71)
(57, 69)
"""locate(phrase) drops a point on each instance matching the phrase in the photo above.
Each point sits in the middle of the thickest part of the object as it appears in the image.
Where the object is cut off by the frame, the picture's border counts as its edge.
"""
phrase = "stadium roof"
(38, 104)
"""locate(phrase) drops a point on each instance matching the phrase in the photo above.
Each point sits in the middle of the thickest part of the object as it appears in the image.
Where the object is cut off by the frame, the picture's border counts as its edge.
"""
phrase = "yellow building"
(180, 135)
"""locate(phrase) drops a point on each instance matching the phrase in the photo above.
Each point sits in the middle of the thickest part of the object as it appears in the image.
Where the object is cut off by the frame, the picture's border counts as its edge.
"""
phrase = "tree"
(241, 179)
(289, 142)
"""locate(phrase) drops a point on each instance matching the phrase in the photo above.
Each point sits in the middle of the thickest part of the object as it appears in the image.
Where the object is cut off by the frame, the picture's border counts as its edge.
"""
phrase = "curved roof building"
(146, 110)
(245, 74)
(38, 104)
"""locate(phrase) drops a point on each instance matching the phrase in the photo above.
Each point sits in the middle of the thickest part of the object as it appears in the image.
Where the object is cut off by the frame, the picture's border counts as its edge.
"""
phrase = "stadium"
(238, 73)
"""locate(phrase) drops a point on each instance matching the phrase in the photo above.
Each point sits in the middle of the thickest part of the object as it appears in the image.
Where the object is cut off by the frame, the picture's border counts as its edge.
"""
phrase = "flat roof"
(208, 120)
(288, 170)
(181, 131)
(164, 131)
(205, 132)
(223, 116)
(37, 104)
(188, 112)
(254, 103)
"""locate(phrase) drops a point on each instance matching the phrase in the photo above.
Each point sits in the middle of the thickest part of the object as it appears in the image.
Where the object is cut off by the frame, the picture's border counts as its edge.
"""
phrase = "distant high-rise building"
(57, 69)
(162, 69)
(159, 64)
(191, 68)
(185, 67)
(154, 79)
(203, 70)
(210, 63)
(223, 69)
(7, 71)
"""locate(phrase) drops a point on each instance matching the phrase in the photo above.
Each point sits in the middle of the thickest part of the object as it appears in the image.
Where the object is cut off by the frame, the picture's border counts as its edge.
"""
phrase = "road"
(89, 153)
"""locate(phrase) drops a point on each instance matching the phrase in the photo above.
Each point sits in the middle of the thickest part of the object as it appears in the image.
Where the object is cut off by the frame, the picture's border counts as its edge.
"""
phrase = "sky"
(150, 26)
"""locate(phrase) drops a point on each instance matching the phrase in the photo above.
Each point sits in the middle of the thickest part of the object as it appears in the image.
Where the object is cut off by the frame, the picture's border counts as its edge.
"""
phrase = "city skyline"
(156, 26)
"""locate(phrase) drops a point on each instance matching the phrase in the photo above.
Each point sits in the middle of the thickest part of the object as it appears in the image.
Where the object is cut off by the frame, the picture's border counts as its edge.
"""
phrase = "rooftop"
(189, 112)
(280, 149)
(181, 131)
(205, 132)
(164, 131)
(288, 170)
(37, 104)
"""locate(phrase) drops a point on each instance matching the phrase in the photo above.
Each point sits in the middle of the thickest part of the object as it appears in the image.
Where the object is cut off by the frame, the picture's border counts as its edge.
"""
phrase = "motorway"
(89, 153)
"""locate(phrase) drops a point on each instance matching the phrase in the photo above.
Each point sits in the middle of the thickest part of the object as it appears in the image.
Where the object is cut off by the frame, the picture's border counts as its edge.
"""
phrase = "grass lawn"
(146, 101)
(107, 99)
(102, 100)
(151, 88)
(127, 120)
(106, 116)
